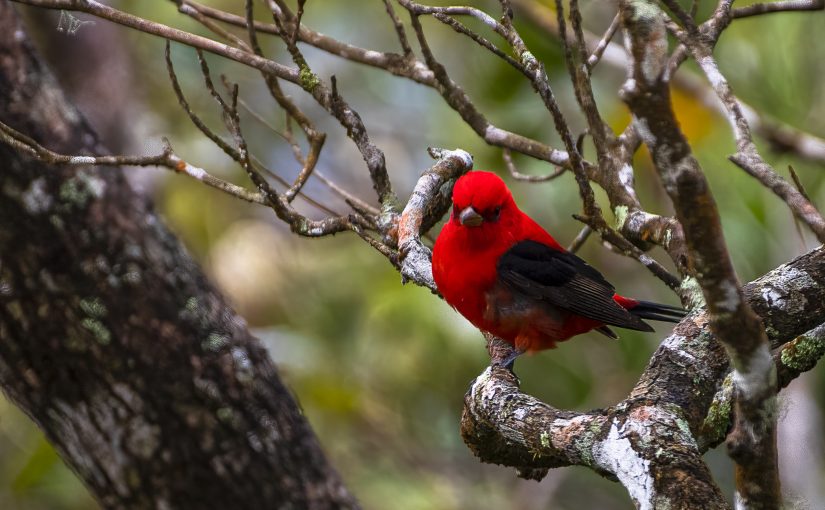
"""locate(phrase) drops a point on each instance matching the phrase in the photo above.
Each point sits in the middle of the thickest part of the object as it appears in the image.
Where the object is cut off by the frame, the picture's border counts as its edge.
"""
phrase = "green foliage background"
(380, 369)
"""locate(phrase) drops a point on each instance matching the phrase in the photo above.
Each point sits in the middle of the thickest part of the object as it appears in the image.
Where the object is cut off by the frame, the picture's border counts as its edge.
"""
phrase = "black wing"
(565, 281)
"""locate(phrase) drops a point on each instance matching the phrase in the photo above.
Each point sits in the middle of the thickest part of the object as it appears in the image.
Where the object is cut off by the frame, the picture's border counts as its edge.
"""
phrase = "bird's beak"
(470, 218)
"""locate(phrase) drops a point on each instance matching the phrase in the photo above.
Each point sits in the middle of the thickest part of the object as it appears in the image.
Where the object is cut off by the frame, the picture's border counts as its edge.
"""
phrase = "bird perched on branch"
(508, 276)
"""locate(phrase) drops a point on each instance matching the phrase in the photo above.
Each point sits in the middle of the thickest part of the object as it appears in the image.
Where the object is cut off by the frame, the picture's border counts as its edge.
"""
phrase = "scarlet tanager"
(508, 276)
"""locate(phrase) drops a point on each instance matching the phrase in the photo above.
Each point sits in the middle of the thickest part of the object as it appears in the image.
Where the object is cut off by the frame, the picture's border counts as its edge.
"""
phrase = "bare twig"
(392, 62)
(781, 6)
(684, 17)
(206, 21)
(316, 138)
(576, 58)
(628, 249)
(515, 174)
(598, 51)
(399, 31)
(167, 159)
(580, 239)
(481, 41)
(173, 34)
(334, 104)
(747, 156)
(458, 100)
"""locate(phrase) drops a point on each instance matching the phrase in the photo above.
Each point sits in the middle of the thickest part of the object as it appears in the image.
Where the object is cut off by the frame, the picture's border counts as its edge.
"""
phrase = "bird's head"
(481, 199)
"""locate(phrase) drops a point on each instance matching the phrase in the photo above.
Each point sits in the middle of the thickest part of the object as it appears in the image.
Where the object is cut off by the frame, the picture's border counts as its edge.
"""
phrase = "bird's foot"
(510, 360)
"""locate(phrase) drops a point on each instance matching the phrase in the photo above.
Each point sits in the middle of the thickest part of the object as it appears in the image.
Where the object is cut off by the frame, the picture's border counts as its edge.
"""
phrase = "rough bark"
(116, 345)
(652, 441)
(752, 443)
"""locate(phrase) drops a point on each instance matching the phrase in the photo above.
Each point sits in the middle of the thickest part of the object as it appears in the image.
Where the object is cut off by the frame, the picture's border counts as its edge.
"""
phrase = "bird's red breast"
(508, 276)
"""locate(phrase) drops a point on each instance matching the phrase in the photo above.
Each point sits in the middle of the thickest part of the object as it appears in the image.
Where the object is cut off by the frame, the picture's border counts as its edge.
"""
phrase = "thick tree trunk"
(115, 344)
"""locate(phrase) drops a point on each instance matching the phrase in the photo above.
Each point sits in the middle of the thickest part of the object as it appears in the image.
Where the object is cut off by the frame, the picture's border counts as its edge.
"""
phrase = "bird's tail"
(657, 311)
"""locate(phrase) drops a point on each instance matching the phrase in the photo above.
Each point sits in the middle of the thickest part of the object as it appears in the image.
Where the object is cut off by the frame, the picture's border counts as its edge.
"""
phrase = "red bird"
(509, 277)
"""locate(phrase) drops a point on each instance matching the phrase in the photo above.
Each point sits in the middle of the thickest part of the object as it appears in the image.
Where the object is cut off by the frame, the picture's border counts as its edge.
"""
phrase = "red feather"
(509, 277)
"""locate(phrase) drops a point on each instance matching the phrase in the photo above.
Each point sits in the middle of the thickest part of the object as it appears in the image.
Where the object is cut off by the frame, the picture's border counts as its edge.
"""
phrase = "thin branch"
(173, 34)
(747, 156)
(399, 31)
(628, 249)
(579, 74)
(458, 100)
(394, 63)
(801, 207)
(781, 6)
(334, 104)
(211, 25)
(167, 159)
(684, 17)
(316, 138)
(598, 51)
(360, 205)
(580, 239)
(515, 174)
(481, 41)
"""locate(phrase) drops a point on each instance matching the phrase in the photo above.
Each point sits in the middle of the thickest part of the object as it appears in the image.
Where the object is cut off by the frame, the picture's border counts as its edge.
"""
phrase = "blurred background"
(380, 369)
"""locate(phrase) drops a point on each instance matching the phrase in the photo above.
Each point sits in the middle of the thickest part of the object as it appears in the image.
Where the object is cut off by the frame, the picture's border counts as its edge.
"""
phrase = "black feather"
(609, 333)
(658, 312)
(564, 280)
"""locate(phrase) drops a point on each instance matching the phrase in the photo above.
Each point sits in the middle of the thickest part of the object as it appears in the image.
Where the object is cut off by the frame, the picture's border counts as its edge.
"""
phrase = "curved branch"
(672, 403)
(427, 204)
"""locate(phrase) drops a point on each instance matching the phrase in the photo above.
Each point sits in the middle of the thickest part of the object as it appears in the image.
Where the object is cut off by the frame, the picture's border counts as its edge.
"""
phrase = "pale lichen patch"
(132, 274)
(143, 438)
(36, 199)
(620, 212)
(101, 334)
(544, 439)
(244, 372)
(691, 292)
(755, 374)
(93, 307)
(616, 453)
(228, 416)
(215, 342)
(786, 289)
(729, 299)
(80, 189)
(644, 131)
(804, 351)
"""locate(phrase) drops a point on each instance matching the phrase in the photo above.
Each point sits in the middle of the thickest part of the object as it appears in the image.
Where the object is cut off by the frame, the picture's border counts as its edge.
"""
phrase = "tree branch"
(668, 407)
(753, 441)
(415, 257)
(148, 384)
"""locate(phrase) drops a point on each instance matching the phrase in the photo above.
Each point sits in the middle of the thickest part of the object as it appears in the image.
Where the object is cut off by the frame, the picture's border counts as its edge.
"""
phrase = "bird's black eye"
(493, 215)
